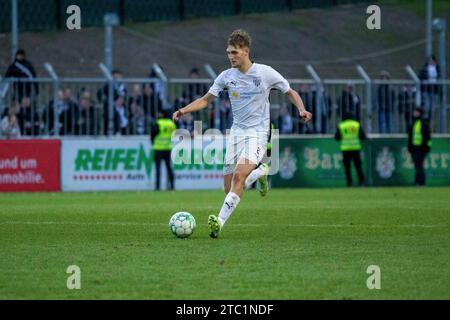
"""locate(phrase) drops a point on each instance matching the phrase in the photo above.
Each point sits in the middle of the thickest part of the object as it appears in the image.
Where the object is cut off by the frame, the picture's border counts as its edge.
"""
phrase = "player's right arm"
(194, 106)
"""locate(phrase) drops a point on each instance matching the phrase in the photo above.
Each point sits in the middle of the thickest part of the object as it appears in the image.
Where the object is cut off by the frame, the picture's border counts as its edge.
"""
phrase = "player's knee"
(239, 177)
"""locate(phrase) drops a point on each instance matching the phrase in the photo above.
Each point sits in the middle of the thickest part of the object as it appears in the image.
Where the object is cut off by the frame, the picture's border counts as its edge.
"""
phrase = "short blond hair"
(240, 38)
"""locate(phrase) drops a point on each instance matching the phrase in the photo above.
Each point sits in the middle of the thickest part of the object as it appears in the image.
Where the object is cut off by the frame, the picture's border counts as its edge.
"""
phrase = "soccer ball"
(182, 224)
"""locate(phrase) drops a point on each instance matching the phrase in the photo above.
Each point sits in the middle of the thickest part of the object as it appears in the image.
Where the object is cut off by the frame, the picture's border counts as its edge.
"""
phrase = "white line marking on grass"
(119, 223)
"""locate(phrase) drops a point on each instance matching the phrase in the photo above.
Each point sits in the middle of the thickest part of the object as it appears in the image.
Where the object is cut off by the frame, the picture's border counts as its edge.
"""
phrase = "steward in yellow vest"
(350, 133)
(419, 144)
(161, 137)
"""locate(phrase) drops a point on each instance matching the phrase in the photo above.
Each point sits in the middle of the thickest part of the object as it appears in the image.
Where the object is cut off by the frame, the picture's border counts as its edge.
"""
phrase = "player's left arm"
(295, 98)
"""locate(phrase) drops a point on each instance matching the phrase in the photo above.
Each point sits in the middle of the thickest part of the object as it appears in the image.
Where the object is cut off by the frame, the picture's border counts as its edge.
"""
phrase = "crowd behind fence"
(43, 107)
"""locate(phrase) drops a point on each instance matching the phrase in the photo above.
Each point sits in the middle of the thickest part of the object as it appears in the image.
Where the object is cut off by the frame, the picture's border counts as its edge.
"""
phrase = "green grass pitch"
(293, 244)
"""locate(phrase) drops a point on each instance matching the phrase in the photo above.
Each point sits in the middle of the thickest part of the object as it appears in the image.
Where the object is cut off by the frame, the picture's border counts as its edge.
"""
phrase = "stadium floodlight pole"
(14, 28)
(163, 79)
(213, 75)
(49, 68)
(319, 96)
(368, 82)
(416, 79)
(439, 25)
(107, 73)
(429, 34)
(109, 20)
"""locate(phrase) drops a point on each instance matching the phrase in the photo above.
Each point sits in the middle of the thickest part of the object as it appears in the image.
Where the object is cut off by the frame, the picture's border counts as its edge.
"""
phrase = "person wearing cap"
(419, 144)
(22, 68)
(350, 134)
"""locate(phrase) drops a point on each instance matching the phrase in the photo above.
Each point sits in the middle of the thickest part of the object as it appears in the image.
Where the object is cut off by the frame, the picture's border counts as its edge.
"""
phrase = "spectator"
(325, 111)
(14, 105)
(386, 97)
(430, 73)
(137, 97)
(138, 121)
(349, 103)
(226, 118)
(9, 125)
(119, 90)
(87, 122)
(195, 90)
(151, 102)
(406, 102)
(157, 86)
(67, 111)
(285, 123)
(28, 118)
(305, 94)
(187, 122)
(22, 68)
(120, 116)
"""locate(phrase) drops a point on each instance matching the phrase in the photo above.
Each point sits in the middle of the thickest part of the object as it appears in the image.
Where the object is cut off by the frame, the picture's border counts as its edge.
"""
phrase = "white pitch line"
(118, 223)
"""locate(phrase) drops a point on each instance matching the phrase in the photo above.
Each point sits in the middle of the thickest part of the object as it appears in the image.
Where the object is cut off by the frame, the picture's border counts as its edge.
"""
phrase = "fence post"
(416, 79)
(109, 20)
(107, 73)
(55, 79)
(439, 25)
(319, 95)
(14, 28)
(368, 81)
(213, 75)
(163, 82)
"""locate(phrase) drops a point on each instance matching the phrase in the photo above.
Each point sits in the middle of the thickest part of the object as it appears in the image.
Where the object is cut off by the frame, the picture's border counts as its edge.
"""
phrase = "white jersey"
(249, 95)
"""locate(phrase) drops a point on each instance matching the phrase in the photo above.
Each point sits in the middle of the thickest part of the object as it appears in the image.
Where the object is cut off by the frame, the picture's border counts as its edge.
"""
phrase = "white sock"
(230, 203)
(252, 177)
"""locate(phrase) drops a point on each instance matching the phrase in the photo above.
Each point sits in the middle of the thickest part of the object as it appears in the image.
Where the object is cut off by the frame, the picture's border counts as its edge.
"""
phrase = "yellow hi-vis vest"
(349, 130)
(163, 140)
(417, 138)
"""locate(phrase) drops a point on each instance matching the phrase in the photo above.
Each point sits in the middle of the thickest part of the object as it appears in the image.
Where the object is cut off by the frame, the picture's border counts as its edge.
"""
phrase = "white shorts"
(252, 148)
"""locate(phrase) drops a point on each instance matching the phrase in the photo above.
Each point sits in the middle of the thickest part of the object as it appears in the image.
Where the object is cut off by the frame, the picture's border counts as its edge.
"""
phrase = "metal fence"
(95, 106)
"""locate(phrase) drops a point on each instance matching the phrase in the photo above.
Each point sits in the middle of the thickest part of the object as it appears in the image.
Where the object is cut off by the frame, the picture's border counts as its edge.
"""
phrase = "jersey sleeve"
(218, 85)
(276, 81)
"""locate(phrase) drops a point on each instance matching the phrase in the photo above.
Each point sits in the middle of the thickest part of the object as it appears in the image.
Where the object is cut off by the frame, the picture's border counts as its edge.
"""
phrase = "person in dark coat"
(22, 68)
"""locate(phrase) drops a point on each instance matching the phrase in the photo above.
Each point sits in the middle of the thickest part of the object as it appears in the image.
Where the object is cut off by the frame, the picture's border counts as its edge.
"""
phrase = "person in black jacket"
(22, 68)
(349, 103)
(119, 90)
(419, 144)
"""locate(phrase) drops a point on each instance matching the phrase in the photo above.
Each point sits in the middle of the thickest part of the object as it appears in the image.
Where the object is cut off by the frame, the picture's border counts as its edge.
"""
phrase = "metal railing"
(129, 106)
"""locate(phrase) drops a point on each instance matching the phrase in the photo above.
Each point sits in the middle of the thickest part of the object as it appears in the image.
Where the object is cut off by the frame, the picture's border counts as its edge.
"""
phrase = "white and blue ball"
(182, 224)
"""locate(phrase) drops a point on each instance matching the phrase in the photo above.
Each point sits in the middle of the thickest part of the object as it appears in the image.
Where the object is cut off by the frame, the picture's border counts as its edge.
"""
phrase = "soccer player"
(248, 84)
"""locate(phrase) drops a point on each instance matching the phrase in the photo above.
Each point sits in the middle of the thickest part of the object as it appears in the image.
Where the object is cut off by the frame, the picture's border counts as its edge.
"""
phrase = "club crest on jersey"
(257, 81)
(234, 95)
